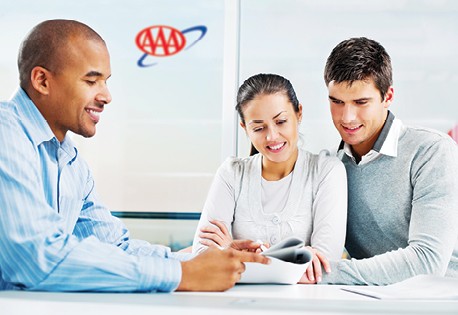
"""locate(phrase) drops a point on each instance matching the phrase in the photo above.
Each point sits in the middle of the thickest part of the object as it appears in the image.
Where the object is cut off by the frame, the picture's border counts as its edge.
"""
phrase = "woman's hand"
(313, 274)
(215, 235)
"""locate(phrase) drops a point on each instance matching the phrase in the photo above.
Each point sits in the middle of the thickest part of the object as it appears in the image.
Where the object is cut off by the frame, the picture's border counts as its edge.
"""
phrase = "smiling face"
(77, 92)
(272, 126)
(358, 112)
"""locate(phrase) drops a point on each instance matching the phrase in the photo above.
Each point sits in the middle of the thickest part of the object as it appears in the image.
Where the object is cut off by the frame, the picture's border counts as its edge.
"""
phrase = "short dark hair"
(44, 44)
(264, 84)
(357, 59)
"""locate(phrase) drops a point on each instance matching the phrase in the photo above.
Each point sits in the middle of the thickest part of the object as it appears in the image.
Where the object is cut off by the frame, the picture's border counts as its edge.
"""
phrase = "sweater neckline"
(254, 198)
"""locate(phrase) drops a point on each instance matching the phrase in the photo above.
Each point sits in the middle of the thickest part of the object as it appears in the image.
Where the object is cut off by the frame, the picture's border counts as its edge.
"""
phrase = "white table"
(240, 300)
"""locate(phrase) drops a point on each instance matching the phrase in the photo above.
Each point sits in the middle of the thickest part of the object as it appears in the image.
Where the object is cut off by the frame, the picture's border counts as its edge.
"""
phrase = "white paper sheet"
(422, 287)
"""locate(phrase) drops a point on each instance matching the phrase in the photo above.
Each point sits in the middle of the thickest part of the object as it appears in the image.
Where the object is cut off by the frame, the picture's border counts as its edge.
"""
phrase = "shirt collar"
(36, 125)
(387, 141)
(380, 142)
(34, 122)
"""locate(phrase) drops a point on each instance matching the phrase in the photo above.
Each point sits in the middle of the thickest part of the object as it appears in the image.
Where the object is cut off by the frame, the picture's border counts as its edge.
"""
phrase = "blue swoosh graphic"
(141, 64)
(201, 28)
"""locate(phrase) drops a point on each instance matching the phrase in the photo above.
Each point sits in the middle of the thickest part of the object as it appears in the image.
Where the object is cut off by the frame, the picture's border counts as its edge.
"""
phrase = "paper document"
(422, 287)
(289, 261)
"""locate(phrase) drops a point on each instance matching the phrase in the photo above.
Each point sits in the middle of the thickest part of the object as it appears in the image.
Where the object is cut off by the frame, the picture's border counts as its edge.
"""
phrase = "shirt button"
(276, 219)
(273, 240)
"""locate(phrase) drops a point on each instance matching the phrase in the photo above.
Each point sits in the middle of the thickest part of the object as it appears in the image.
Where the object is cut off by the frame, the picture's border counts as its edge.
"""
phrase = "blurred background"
(172, 120)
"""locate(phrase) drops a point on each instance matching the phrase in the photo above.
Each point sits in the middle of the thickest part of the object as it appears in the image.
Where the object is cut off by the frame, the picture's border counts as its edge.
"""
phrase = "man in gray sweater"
(402, 181)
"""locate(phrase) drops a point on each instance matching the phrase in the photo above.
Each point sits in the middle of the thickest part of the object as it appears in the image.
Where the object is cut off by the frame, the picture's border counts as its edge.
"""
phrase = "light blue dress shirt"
(54, 233)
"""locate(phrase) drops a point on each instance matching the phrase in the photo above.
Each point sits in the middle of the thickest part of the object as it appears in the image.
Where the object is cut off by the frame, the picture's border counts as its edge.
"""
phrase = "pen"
(261, 243)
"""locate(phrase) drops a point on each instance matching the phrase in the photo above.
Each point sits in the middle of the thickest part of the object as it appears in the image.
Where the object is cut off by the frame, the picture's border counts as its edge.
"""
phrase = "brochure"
(289, 260)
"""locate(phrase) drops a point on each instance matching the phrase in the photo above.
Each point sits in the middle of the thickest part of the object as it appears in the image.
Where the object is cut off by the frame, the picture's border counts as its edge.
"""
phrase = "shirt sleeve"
(37, 252)
(96, 220)
(220, 202)
(433, 225)
(330, 207)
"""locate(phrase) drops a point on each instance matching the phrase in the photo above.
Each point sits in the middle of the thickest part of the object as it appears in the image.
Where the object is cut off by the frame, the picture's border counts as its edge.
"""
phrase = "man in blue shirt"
(54, 233)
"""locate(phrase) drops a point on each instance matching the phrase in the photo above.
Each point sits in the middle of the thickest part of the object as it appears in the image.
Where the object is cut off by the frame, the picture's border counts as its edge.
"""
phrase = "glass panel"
(158, 143)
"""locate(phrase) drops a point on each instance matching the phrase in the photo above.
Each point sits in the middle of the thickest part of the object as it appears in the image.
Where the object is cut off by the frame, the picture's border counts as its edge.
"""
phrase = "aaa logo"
(164, 41)
(160, 41)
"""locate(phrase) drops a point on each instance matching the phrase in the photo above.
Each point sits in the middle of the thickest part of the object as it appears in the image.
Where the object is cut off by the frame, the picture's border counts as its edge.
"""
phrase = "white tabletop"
(240, 300)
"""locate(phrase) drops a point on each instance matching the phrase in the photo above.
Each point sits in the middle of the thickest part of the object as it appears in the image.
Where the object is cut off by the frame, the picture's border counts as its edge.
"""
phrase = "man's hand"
(248, 246)
(217, 270)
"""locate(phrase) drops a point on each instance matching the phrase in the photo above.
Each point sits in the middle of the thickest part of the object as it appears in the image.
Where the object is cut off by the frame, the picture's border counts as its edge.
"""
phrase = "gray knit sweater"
(402, 212)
